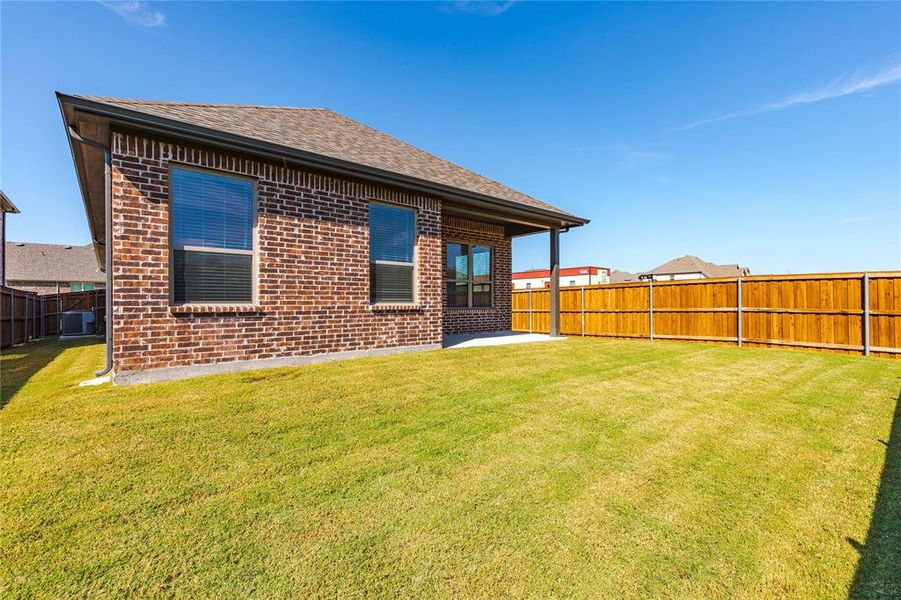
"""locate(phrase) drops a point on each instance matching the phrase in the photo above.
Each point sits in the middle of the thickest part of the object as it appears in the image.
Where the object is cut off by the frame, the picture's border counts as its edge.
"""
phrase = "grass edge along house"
(239, 236)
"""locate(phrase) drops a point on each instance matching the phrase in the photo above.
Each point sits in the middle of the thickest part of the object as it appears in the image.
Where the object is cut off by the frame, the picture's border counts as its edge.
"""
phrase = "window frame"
(469, 275)
(414, 296)
(254, 237)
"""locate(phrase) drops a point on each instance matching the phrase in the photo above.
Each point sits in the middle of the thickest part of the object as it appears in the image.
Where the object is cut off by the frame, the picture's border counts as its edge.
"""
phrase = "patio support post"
(555, 283)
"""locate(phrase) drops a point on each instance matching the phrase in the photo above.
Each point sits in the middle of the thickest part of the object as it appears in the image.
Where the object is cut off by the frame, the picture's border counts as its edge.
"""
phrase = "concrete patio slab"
(495, 338)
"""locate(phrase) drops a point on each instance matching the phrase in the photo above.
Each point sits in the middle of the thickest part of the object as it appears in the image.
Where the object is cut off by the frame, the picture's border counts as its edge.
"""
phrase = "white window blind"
(212, 237)
(392, 242)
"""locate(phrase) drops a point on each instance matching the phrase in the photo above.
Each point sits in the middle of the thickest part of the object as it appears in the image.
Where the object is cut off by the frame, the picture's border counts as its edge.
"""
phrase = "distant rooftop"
(532, 273)
(693, 264)
(26, 261)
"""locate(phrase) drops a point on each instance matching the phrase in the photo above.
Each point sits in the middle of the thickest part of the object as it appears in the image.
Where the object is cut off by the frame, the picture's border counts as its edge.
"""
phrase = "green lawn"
(580, 468)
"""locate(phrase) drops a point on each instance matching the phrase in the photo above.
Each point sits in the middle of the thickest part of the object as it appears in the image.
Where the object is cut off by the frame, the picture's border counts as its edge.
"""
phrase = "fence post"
(59, 328)
(43, 325)
(738, 311)
(651, 306)
(866, 314)
(12, 318)
(530, 310)
(583, 311)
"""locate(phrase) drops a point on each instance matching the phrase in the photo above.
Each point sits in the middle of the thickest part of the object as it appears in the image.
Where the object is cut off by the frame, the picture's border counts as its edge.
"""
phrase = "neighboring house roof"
(51, 262)
(693, 264)
(6, 204)
(564, 271)
(314, 138)
(617, 276)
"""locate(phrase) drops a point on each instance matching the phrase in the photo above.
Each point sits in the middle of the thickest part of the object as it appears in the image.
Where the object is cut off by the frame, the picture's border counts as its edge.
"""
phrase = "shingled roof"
(51, 262)
(326, 133)
(693, 264)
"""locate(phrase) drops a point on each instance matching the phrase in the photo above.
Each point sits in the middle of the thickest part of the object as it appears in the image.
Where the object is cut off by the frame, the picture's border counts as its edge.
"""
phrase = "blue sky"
(765, 134)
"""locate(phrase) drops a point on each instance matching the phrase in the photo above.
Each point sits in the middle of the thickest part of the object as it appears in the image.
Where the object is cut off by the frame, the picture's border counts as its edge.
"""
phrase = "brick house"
(52, 268)
(248, 236)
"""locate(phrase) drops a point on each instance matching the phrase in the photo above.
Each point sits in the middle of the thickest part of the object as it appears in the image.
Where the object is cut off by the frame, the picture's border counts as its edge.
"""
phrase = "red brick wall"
(312, 275)
(472, 320)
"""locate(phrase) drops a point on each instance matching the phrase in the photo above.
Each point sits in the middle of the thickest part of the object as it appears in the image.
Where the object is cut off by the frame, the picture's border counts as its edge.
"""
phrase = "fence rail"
(26, 316)
(837, 312)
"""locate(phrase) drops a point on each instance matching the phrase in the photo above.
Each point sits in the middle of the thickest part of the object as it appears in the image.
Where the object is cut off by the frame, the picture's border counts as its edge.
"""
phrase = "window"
(77, 286)
(211, 222)
(468, 276)
(392, 239)
(572, 282)
(528, 286)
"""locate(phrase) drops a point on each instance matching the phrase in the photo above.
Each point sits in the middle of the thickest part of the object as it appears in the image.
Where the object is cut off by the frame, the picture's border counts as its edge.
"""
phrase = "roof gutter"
(312, 160)
(107, 243)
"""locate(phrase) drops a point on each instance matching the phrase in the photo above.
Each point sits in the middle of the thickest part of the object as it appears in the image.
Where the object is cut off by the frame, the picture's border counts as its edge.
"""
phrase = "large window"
(212, 218)
(392, 240)
(468, 276)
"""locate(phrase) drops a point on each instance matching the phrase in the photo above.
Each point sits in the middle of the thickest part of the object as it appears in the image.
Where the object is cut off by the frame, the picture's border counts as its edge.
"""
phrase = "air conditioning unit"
(78, 322)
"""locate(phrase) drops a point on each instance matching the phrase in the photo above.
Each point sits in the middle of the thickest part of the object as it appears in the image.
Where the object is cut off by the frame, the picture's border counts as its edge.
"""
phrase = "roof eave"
(6, 205)
(205, 135)
(96, 229)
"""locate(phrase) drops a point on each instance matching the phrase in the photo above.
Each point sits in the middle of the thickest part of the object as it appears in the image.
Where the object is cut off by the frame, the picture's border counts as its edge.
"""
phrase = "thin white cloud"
(634, 153)
(843, 86)
(853, 220)
(631, 155)
(485, 8)
(136, 12)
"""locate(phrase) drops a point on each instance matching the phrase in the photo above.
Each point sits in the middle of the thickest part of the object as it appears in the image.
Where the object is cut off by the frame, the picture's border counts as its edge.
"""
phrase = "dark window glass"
(468, 275)
(457, 294)
(481, 294)
(212, 237)
(390, 283)
(212, 277)
(392, 241)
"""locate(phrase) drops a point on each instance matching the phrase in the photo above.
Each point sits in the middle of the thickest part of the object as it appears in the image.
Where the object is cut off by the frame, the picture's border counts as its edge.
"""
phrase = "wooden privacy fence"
(839, 312)
(25, 316)
(20, 316)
